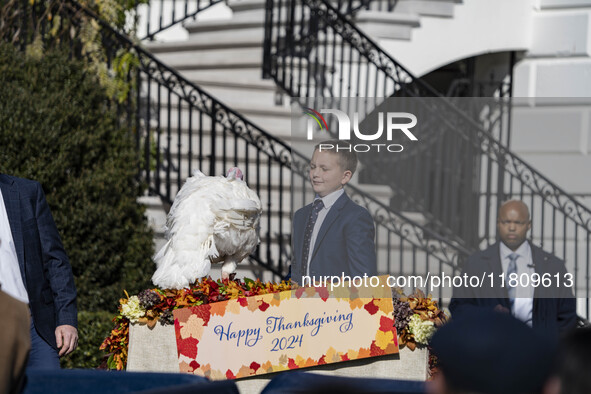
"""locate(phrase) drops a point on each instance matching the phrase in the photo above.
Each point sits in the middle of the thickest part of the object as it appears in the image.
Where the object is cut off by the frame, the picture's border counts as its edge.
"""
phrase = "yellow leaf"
(385, 304)
(300, 361)
(352, 354)
(233, 307)
(383, 339)
(284, 295)
(356, 303)
(243, 372)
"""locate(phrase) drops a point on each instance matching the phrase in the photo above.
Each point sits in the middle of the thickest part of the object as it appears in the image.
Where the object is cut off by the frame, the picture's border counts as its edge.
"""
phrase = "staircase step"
(213, 58)
(198, 43)
(439, 8)
(247, 75)
(225, 58)
(240, 94)
(278, 123)
(387, 24)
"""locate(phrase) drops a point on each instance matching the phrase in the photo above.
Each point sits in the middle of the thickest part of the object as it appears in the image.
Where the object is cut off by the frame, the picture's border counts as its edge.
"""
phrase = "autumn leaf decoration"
(425, 310)
(156, 305)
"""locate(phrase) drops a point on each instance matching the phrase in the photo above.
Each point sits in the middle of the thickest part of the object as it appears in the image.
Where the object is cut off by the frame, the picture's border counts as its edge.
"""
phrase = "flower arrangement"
(156, 305)
(416, 317)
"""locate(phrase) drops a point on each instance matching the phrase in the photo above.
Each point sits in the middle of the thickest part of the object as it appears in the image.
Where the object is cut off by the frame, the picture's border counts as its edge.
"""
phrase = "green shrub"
(57, 126)
(93, 328)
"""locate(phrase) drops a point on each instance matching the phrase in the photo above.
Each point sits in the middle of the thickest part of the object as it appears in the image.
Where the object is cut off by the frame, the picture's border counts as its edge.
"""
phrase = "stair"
(224, 58)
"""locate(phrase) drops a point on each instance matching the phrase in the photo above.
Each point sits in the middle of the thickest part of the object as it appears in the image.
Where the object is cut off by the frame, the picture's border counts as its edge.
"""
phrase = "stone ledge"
(154, 350)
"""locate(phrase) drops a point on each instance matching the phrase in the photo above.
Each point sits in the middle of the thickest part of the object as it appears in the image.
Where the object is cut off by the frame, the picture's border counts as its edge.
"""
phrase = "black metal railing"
(179, 128)
(189, 129)
(156, 16)
(375, 5)
(463, 174)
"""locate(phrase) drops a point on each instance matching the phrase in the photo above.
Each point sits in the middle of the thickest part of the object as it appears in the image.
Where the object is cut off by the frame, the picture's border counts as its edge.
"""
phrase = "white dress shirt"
(10, 273)
(524, 296)
(328, 202)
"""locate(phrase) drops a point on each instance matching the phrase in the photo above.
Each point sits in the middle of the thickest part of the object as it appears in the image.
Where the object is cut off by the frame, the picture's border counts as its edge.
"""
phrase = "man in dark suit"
(333, 235)
(549, 308)
(36, 270)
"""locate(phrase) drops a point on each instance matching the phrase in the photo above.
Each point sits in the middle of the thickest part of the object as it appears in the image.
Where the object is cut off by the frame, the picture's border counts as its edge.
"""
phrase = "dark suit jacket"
(345, 242)
(44, 266)
(554, 309)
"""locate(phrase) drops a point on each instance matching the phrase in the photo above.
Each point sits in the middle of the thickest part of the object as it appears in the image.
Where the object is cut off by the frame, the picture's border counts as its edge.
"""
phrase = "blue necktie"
(316, 207)
(511, 269)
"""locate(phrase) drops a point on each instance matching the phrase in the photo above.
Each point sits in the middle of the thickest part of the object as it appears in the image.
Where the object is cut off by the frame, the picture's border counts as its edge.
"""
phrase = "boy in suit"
(333, 236)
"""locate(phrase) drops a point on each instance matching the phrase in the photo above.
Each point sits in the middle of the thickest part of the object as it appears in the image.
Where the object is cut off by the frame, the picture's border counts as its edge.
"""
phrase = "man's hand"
(67, 339)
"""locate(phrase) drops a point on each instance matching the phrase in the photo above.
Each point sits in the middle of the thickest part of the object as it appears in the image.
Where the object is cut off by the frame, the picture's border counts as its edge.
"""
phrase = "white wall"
(477, 27)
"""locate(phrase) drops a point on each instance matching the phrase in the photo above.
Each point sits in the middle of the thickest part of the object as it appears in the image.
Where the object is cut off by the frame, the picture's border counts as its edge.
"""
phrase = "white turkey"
(213, 219)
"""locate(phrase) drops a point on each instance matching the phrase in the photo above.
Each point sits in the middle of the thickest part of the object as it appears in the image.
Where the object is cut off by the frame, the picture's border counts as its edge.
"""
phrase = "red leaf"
(194, 364)
(263, 307)
(202, 311)
(345, 357)
(188, 347)
(322, 360)
(371, 308)
(323, 293)
(254, 366)
(375, 350)
(230, 375)
(243, 301)
(386, 324)
(291, 364)
(299, 292)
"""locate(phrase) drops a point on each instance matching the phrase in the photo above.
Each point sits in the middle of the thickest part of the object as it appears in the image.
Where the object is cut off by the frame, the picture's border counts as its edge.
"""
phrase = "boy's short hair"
(344, 150)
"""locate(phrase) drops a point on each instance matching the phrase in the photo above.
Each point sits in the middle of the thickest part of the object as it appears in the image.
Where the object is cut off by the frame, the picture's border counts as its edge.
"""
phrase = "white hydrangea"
(422, 330)
(132, 310)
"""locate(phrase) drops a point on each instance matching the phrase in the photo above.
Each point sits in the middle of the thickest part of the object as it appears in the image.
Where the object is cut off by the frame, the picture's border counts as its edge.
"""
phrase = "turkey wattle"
(213, 219)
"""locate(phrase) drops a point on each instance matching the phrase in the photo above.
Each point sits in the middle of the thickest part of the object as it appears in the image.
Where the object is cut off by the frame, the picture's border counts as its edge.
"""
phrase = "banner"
(288, 330)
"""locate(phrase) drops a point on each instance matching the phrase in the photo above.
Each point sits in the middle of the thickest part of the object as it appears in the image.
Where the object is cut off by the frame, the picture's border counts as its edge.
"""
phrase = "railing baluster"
(269, 212)
(179, 132)
(148, 133)
(157, 174)
(202, 131)
(168, 143)
(512, 176)
(190, 136)
(212, 146)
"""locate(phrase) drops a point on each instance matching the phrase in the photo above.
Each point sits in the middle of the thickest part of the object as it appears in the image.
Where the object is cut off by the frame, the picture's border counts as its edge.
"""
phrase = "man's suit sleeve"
(567, 304)
(56, 264)
(361, 250)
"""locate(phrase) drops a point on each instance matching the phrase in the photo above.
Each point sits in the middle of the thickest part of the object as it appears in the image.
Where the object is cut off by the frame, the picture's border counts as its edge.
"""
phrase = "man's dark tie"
(316, 207)
(511, 269)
